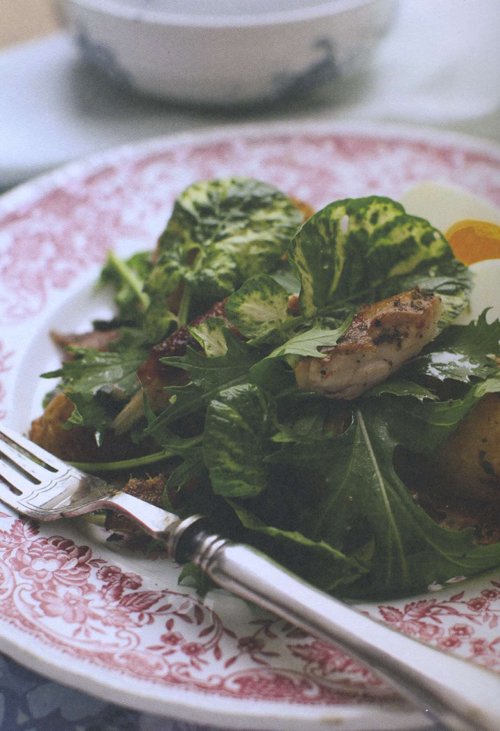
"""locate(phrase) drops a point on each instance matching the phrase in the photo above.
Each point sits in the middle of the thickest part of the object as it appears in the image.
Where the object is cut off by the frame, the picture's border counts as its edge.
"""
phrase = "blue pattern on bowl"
(102, 57)
(318, 73)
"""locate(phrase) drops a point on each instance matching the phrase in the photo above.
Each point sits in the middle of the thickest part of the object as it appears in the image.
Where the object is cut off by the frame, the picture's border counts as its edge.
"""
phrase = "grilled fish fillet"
(380, 339)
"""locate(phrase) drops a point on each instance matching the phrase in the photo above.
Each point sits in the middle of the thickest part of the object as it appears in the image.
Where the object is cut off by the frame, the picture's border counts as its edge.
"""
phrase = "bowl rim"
(320, 9)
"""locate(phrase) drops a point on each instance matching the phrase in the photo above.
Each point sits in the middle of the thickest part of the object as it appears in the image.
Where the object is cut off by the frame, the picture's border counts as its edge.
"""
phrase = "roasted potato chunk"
(50, 433)
(78, 444)
(469, 461)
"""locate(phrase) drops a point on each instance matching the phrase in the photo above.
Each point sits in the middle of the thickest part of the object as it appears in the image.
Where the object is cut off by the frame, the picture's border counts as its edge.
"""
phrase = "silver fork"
(462, 696)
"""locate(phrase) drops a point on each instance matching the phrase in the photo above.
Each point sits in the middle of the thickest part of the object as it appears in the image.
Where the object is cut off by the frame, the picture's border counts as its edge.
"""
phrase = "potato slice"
(469, 461)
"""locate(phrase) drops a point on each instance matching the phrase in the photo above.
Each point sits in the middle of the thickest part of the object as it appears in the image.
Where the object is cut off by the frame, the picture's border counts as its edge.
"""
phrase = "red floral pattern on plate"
(58, 591)
(84, 602)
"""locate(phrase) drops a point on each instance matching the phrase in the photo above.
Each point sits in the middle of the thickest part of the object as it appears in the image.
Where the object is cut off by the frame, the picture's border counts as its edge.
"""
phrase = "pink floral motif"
(115, 582)
(99, 611)
(52, 561)
(71, 604)
(328, 659)
(171, 639)
(256, 645)
(455, 623)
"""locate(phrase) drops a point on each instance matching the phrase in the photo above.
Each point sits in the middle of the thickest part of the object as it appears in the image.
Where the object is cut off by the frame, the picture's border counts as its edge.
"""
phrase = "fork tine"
(8, 496)
(13, 461)
(14, 440)
(14, 480)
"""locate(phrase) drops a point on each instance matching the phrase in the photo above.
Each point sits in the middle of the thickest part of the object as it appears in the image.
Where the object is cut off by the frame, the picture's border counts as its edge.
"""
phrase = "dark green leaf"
(222, 232)
(236, 426)
(316, 561)
(360, 250)
(422, 426)
(461, 353)
(367, 511)
(208, 376)
(92, 371)
(330, 250)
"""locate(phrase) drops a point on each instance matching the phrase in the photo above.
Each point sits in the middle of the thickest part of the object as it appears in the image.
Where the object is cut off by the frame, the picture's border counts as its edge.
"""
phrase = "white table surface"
(439, 67)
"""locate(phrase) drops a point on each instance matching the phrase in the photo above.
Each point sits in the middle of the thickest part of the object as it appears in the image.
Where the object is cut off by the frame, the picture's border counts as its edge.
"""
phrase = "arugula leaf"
(480, 338)
(208, 376)
(316, 561)
(365, 510)
(460, 353)
(309, 342)
(99, 382)
(92, 412)
(216, 371)
(92, 371)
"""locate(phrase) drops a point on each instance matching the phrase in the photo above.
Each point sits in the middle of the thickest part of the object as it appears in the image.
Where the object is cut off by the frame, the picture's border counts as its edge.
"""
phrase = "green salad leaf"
(312, 481)
(236, 467)
(321, 488)
(100, 382)
(463, 352)
(359, 250)
(128, 278)
(259, 308)
(308, 342)
(208, 376)
(221, 232)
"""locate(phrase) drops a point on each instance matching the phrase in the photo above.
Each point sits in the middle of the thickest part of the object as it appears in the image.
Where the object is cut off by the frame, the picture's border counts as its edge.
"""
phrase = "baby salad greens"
(218, 235)
(310, 480)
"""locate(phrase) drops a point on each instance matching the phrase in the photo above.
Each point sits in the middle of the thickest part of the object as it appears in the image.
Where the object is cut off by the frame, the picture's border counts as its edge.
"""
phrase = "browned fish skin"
(380, 339)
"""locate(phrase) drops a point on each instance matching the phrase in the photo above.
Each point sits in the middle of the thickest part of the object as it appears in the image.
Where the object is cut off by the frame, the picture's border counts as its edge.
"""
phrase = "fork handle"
(462, 696)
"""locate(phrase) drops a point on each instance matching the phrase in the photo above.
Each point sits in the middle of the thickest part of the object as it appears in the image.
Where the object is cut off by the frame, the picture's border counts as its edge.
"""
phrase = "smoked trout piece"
(381, 338)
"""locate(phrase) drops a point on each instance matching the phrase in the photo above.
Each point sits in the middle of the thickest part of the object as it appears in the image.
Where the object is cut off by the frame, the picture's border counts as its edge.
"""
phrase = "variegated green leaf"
(259, 307)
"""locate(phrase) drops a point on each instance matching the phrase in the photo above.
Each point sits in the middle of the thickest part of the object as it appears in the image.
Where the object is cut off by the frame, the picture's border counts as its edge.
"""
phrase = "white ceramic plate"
(118, 625)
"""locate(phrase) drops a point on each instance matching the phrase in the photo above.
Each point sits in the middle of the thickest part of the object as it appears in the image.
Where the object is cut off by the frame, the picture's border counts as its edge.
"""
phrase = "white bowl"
(227, 52)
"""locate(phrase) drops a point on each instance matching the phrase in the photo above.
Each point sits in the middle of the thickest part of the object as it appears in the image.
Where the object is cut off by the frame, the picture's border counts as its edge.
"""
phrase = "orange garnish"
(474, 240)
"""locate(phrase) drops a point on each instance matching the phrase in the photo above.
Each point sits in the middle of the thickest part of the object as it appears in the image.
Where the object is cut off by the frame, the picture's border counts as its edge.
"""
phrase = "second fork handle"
(462, 696)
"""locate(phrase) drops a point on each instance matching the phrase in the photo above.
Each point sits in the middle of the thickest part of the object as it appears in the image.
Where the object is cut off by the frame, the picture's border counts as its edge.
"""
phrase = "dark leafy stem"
(183, 311)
